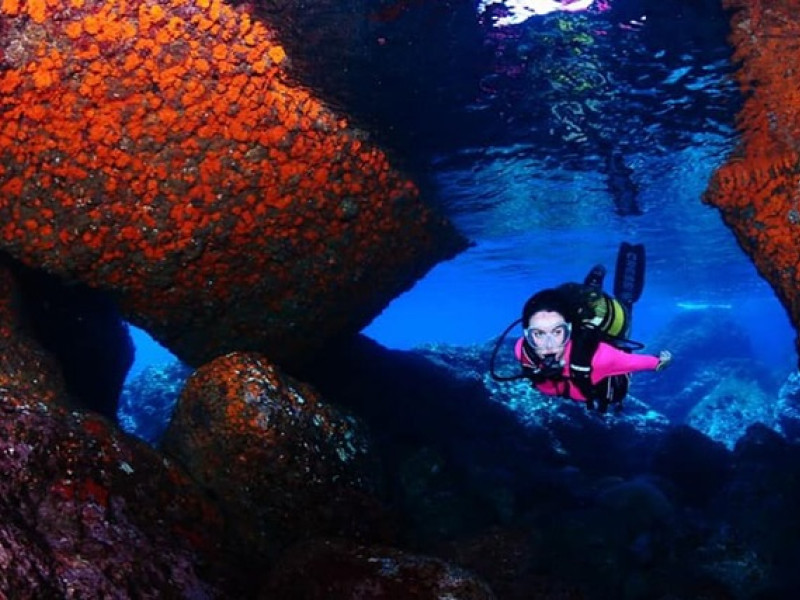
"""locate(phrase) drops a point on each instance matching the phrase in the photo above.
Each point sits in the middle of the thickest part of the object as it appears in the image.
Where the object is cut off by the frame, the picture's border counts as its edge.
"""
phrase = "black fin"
(629, 274)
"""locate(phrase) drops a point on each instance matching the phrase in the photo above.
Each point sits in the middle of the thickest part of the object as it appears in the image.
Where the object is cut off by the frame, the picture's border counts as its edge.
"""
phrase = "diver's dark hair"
(551, 300)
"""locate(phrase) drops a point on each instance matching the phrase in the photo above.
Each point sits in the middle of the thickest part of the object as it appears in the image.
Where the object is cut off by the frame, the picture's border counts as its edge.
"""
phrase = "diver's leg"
(594, 279)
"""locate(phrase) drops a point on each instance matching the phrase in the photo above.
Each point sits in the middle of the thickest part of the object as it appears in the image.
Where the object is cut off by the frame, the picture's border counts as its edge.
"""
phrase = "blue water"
(148, 352)
(541, 213)
(525, 241)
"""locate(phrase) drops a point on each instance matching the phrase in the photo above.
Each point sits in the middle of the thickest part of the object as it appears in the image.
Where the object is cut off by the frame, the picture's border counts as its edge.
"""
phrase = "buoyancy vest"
(605, 392)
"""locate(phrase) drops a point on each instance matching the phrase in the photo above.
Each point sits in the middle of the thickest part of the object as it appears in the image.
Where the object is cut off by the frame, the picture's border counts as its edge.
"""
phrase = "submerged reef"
(161, 151)
(493, 484)
(303, 469)
(757, 189)
(148, 400)
(85, 510)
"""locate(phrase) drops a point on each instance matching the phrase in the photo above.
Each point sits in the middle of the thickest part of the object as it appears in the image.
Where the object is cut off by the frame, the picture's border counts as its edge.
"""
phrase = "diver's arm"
(608, 361)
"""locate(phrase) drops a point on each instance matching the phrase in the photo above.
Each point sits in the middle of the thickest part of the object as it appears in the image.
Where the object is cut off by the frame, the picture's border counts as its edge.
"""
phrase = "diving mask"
(553, 338)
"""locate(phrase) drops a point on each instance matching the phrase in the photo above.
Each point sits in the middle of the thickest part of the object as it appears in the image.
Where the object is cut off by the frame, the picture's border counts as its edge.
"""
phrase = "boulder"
(756, 190)
(159, 150)
(85, 510)
(287, 465)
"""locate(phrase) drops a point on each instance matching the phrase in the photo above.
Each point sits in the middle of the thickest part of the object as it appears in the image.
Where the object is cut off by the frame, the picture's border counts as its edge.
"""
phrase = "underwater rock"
(756, 190)
(718, 347)
(87, 512)
(644, 504)
(27, 371)
(697, 465)
(788, 408)
(287, 465)
(159, 150)
(757, 527)
(725, 413)
(435, 501)
(599, 545)
(761, 443)
(328, 570)
(621, 442)
(82, 329)
(454, 457)
(505, 558)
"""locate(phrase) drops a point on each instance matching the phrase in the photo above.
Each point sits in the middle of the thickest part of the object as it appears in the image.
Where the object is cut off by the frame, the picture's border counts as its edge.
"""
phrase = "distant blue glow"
(148, 352)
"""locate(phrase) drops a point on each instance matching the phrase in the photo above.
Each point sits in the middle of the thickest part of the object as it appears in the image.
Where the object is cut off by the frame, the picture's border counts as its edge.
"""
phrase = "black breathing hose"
(500, 340)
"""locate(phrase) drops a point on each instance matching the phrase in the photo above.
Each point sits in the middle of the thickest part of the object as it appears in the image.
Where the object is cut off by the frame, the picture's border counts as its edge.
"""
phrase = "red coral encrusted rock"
(158, 149)
(287, 465)
(758, 189)
(87, 512)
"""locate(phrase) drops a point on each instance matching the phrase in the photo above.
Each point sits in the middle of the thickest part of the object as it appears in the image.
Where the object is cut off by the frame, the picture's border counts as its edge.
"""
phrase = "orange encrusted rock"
(159, 150)
(758, 189)
(287, 465)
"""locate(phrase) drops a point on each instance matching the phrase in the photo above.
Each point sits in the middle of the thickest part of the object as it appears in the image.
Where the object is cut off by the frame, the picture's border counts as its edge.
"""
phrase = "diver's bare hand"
(664, 360)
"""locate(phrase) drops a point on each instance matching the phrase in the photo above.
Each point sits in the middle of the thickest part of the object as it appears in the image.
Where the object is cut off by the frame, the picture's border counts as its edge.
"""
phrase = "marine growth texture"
(158, 149)
(758, 189)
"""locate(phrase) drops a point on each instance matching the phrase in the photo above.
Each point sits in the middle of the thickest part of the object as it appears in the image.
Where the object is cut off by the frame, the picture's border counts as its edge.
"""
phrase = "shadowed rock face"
(158, 150)
(757, 190)
(83, 331)
(342, 570)
(287, 465)
(27, 371)
(86, 511)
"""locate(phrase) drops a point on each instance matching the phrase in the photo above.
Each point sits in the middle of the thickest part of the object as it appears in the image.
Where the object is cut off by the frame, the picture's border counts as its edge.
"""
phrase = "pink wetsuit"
(607, 361)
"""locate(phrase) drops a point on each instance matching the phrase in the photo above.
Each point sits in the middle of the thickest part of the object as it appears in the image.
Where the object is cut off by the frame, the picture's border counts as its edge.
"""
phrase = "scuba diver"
(575, 343)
